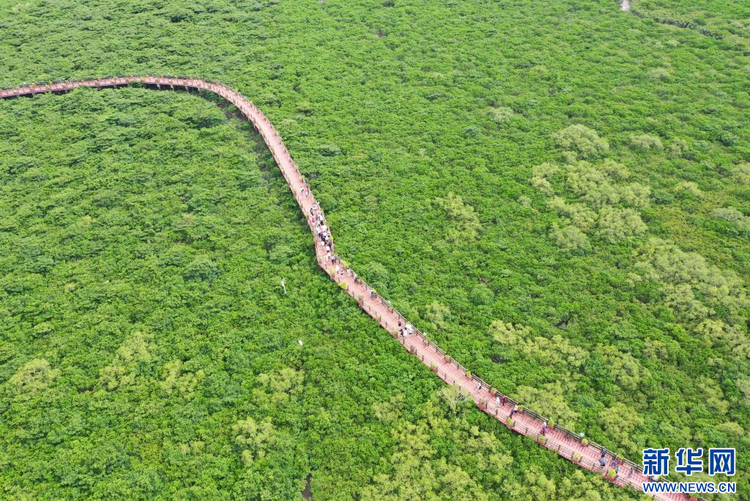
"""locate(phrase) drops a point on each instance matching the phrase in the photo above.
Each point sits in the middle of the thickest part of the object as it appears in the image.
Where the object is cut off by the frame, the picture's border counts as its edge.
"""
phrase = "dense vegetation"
(157, 280)
(726, 18)
(557, 192)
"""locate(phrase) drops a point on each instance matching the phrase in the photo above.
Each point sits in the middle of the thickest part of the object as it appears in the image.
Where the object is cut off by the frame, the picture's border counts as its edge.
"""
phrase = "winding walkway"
(526, 422)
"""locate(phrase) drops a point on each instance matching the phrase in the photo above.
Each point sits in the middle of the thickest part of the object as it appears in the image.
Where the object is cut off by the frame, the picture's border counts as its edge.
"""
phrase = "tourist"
(513, 411)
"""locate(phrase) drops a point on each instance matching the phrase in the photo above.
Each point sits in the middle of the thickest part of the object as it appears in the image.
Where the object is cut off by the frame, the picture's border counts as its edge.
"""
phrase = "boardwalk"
(526, 422)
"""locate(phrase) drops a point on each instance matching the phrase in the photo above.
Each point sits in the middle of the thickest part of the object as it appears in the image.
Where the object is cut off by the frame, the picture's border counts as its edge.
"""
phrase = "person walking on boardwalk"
(513, 411)
(615, 467)
(505, 400)
(544, 429)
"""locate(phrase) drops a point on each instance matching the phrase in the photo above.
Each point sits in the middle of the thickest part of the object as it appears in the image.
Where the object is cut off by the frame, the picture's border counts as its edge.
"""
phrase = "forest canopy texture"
(557, 192)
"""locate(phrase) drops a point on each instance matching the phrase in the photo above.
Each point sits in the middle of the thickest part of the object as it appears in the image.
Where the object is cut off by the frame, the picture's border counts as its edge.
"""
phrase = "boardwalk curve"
(567, 444)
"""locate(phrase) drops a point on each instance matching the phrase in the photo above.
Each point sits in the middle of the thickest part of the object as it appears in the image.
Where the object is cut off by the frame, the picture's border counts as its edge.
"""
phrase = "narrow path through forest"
(567, 444)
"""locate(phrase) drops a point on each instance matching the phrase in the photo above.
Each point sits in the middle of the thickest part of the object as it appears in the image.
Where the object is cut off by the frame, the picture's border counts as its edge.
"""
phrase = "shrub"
(507, 333)
(732, 215)
(616, 225)
(694, 289)
(581, 216)
(466, 225)
(727, 214)
(481, 295)
(524, 201)
(742, 174)
(501, 115)
(437, 313)
(570, 239)
(662, 197)
(582, 139)
(202, 268)
(253, 439)
(541, 176)
(35, 375)
(658, 74)
(472, 131)
(688, 188)
(646, 142)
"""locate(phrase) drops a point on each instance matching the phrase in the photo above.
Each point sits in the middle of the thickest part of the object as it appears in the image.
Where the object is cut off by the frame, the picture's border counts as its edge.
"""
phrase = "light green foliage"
(481, 295)
(646, 142)
(693, 288)
(437, 314)
(178, 379)
(390, 411)
(34, 376)
(727, 18)
(625, 426)
(253, 438)
(582, 140)
(731, 215)
(524, 201)
(688, 188)
(464, 225)
(623, 368)
(501, 115)
(713, 396)
(419, 467)
(507, 333)
(605, 204)
(549, 401)
(555, 352)
(123, 369)
(658, 74)
(580, 215)
(617, 225)
(742, 174)
(541, 177)
(536, 484)
(278, 388)
(570, 239)
(454, 396)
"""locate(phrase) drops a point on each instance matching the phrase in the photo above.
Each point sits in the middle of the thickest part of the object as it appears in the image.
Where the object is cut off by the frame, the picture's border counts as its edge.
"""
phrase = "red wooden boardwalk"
(526, 422)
